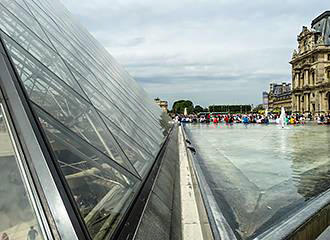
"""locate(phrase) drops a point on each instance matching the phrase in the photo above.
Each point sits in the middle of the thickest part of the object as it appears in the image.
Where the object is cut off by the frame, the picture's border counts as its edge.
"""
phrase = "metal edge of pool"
(288, 228)
(219, 226)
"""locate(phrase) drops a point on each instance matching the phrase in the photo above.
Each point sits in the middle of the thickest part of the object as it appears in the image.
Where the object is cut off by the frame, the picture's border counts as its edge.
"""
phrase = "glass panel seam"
(23, 24)
(98, 64)
(120, 147)
(53, 46)
(102, 115)
(43, 66)
(85, 51)
(119, 109)
(13, 86)
(119, 166)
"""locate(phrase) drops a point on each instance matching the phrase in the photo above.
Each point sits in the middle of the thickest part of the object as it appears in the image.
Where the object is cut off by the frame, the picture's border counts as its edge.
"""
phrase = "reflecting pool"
(259, 174)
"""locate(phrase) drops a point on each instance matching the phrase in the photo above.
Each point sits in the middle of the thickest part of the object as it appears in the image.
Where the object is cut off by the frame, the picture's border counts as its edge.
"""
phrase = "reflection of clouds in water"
(258, 170)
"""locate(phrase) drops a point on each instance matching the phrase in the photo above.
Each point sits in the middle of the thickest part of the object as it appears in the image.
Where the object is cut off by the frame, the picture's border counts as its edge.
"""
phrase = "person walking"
(32, 234)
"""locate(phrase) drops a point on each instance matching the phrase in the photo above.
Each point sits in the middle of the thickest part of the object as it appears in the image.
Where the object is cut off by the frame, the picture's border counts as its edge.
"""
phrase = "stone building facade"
(280, 96)
(311, 68)
(163, 104)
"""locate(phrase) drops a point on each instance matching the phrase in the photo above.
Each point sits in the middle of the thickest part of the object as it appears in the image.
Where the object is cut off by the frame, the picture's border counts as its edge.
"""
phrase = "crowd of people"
(252, 118)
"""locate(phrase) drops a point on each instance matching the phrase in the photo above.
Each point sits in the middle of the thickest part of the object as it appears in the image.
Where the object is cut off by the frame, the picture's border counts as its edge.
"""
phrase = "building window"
(328, 57)
(316, 39)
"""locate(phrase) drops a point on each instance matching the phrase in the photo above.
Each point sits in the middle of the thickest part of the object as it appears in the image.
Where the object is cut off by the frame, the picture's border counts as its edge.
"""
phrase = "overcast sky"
(209, 51)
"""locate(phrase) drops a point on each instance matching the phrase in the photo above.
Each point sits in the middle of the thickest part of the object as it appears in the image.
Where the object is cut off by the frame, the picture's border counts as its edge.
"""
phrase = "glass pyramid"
(100, 130)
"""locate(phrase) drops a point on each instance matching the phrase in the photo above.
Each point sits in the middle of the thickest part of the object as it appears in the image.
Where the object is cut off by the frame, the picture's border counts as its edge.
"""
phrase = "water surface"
(260, 174)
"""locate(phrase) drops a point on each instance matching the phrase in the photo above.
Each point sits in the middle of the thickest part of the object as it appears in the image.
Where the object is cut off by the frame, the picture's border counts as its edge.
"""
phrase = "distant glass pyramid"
(102, 131)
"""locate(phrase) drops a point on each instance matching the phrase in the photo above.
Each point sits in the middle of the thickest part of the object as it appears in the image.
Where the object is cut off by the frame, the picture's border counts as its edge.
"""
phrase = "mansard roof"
(323, 15)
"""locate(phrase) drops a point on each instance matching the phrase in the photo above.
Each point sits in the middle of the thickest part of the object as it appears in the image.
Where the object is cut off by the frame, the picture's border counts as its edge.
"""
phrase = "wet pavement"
(260, 174)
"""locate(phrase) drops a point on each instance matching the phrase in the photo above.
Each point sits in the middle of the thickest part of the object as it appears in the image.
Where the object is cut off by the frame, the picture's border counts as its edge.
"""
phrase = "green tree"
(179, 106)
(258, 108)
(198, 109)
(230, 108)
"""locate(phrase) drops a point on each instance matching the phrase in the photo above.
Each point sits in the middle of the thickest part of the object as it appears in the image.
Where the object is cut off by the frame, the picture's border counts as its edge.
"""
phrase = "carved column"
(306, 79)
(297, 81)
(309, 102)
(320, 101)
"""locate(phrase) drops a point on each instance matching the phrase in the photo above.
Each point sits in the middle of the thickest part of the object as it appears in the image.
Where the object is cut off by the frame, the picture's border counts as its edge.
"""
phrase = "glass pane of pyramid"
(139, 157)
(100, 188)
(63, 103)
(32, 43)
(104, 131)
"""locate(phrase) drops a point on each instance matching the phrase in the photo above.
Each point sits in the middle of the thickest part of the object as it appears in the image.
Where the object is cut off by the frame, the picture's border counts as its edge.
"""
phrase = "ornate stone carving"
(320, 41)
(312, 53)
(294, 54)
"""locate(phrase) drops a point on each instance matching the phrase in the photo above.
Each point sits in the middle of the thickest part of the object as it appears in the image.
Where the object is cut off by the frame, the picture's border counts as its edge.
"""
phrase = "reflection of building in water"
(311, 68)
(279, 96)
(310, 161)
(163, 104)
(314, 181)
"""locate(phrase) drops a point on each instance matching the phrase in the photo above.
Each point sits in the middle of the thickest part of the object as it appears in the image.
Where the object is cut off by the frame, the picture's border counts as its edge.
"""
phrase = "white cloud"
(212, 51)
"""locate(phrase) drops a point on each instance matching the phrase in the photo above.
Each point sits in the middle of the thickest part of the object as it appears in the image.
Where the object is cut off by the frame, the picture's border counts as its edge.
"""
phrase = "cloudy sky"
(209, 51)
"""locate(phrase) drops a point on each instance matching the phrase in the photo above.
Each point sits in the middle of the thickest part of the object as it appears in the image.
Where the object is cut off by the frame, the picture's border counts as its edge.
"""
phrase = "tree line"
(180, 105)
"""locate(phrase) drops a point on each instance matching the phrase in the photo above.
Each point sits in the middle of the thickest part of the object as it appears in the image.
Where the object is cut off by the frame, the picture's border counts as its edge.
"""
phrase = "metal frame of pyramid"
(88, 135)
